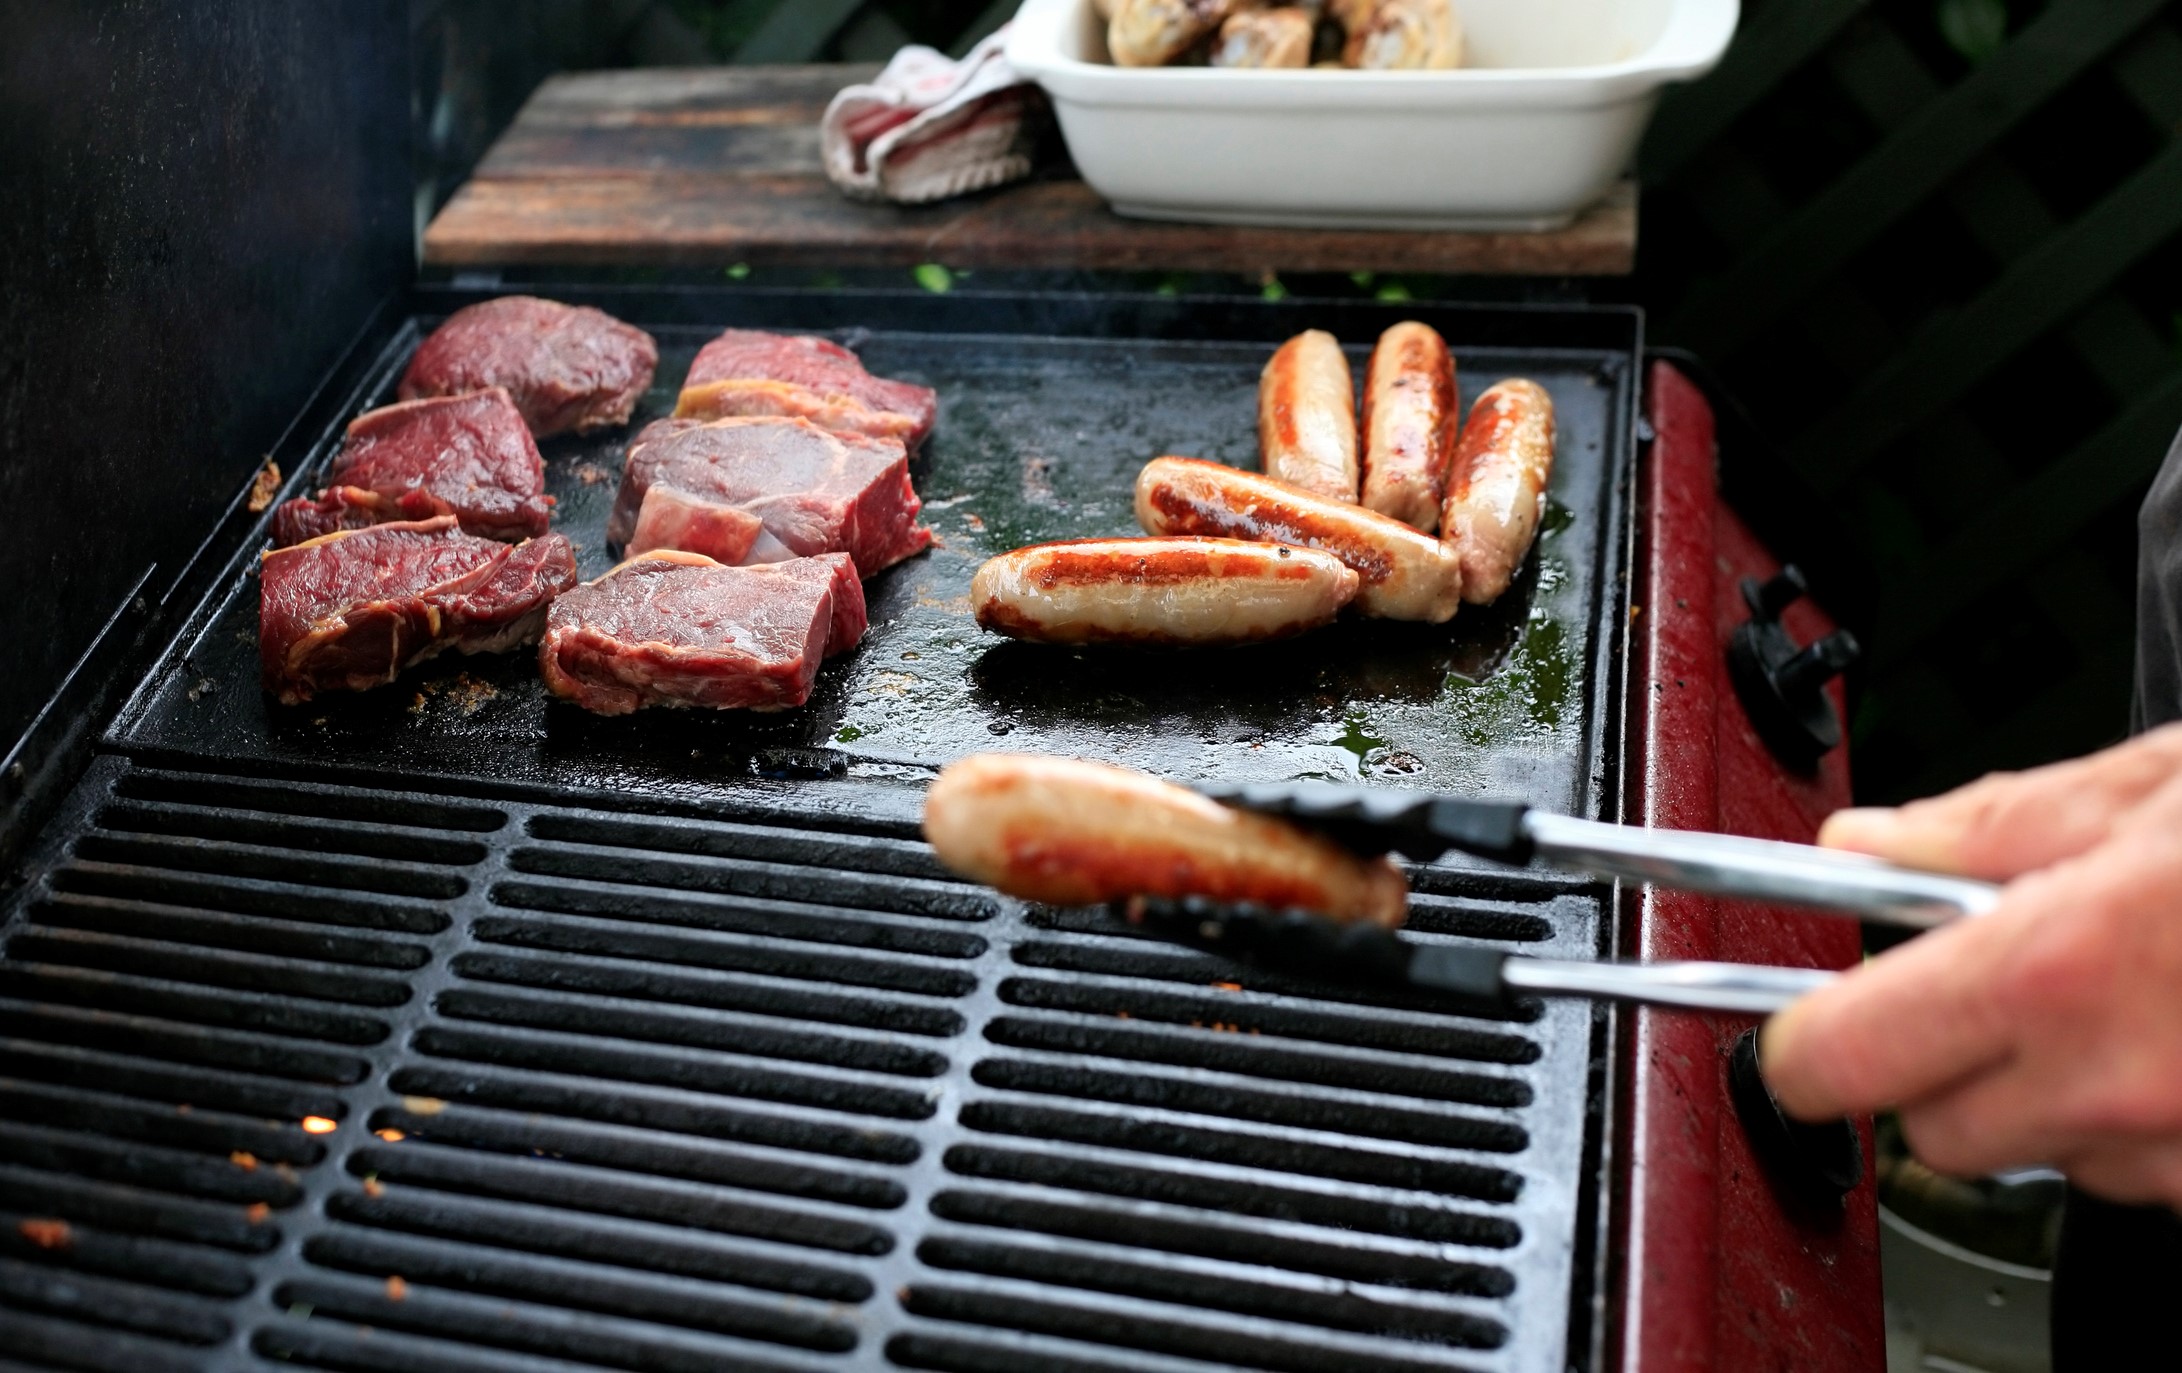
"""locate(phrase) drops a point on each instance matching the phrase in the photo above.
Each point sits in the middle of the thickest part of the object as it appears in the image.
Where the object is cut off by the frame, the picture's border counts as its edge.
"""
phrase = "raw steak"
(761, 490)
(794, 376)
(568, 366)
(465, 456)
(677, 629)
(351, 609)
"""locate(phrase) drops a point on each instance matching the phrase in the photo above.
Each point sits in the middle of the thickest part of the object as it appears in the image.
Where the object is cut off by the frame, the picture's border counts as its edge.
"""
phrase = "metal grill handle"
(1761, 870)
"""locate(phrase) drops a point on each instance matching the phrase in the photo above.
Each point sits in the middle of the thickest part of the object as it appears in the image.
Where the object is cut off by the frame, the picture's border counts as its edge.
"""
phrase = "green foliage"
(934, 278)
(1975, 28)
(1271, 289)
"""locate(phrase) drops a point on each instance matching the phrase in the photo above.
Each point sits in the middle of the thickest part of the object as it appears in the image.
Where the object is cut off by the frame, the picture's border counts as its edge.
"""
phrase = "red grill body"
(1714, 1268)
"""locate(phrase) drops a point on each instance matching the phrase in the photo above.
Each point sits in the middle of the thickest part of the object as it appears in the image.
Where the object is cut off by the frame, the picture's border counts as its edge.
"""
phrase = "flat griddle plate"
(1047, 411)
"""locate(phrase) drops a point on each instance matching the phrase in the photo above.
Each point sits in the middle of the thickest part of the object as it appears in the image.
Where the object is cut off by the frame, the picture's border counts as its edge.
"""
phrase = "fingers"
(1899, 1028)
(2136, 1173)
(2012, 823)
(2048, 1031)
(1993, 1120)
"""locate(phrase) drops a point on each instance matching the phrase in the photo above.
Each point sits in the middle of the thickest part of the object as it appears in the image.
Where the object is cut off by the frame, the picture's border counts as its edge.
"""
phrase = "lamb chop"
(568, 367)
(468, 456)
(678, 629)
(349, 610)
(762, 490)
(794, 376)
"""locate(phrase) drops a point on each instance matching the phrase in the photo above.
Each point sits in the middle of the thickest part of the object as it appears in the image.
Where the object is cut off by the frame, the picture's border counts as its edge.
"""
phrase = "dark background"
(1935, 247)
(200, 206)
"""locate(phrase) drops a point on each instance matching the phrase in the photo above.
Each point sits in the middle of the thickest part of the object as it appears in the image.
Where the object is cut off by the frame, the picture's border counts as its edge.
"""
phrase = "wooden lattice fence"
(1948, 288)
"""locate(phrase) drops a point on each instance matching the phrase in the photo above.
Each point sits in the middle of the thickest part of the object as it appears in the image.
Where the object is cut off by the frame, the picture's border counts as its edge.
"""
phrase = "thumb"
(1907, 1023)
(2008, 824)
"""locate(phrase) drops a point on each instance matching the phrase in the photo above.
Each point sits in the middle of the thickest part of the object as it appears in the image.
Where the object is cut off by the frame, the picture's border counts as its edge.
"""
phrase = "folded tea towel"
(930, 127)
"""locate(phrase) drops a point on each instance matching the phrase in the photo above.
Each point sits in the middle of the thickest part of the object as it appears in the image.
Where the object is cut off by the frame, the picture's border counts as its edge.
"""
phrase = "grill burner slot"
(628, 1091)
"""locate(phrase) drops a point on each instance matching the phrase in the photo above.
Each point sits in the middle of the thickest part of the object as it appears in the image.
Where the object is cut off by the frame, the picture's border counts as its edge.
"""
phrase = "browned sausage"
(1307, 416)
(1496, 490)
(1074, 833)
(1410, 416)
(1406, 575)
(1172, 592)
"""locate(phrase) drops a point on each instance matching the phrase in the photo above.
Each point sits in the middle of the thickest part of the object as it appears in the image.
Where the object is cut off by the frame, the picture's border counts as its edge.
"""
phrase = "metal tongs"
(1424, 826)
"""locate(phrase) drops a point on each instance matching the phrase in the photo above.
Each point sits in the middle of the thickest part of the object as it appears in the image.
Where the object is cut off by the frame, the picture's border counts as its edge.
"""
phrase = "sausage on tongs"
(1410, 417)
(1307, 416)
(1496, 490)
(1405, 575)
(1159, 592)
(1068, 832)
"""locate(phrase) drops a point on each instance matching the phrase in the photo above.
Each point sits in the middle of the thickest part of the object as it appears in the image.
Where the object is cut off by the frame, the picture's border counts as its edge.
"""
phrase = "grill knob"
(1782, 684)
(1818, 1164)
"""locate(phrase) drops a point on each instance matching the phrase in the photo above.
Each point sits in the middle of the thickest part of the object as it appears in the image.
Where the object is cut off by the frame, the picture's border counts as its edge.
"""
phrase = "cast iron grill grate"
(356, 1079)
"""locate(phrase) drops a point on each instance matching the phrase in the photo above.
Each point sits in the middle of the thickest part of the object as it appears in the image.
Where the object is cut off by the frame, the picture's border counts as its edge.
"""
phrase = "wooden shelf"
(718, 165)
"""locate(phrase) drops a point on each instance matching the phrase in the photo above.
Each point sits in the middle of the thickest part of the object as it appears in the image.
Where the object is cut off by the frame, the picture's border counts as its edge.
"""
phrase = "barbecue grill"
(441, 1028)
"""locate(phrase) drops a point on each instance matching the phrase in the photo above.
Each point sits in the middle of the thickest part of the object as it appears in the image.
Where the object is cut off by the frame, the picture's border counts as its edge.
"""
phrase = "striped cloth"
(930, 127)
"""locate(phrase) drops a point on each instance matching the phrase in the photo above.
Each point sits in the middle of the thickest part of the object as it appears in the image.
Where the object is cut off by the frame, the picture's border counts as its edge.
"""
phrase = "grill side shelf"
(347, 1078)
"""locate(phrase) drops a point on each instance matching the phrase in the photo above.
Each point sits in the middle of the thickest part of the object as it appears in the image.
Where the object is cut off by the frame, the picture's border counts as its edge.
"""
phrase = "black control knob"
(1782, 684)
(1817, 1164)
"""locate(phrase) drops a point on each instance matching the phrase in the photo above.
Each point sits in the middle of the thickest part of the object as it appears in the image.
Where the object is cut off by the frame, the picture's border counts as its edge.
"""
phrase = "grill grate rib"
(612, 1090)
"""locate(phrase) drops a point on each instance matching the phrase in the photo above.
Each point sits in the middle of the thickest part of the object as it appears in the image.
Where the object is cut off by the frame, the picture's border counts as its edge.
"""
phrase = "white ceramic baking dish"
(1538, 127)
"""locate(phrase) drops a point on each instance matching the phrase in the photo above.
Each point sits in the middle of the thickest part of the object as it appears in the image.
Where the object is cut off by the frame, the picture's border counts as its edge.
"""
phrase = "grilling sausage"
(1068, 832)
(1405, 575)
(1410, 417)
(1159, 592)
(1496, 490)
(1307, 416)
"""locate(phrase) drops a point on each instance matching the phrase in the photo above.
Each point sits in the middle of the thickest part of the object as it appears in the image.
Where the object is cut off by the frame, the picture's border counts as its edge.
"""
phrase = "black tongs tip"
(1421, 825)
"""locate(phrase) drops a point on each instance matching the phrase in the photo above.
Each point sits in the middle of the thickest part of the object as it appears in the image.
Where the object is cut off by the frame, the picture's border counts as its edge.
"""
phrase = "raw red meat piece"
(812, 492)
(795, 376)
(350, 610)
(677, 629)
(467, 456)
(567, 366)
(337, 508)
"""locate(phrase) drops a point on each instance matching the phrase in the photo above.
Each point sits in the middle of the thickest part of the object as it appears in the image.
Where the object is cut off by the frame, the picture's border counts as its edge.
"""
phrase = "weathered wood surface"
(717, 165)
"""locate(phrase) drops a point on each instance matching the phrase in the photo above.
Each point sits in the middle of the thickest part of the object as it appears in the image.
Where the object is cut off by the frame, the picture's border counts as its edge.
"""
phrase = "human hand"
(2046, 1031)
